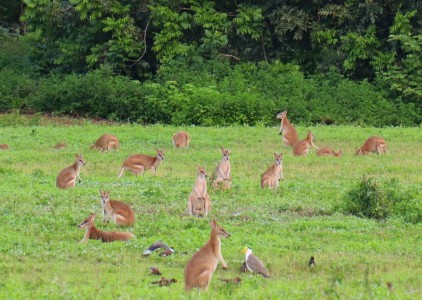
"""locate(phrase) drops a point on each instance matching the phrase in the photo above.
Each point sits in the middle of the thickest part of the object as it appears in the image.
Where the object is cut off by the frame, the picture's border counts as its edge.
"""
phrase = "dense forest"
(214, 62)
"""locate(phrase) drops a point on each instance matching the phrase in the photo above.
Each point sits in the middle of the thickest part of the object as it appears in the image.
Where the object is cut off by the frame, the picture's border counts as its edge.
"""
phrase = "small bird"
(164, 281)
(155, 271)
(232, 280)
(390, 287)
(157, 245)
(254, 264)
(311, 262)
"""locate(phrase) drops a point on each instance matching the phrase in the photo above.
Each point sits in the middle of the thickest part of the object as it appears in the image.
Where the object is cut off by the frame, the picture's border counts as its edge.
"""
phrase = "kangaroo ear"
(76, 155)
(92, 217)
(213, 224)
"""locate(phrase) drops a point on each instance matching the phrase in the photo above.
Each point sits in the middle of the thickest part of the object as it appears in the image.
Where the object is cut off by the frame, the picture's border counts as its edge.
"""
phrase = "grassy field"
(40, 255)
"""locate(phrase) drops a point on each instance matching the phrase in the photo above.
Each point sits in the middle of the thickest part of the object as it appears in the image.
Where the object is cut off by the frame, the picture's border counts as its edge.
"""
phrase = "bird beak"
(244, 250)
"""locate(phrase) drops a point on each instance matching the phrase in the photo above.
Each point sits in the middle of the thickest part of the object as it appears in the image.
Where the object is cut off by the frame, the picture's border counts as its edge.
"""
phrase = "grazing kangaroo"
(138, 163)
(222, 172)
(327, 151)
(106, 142)
(105, 236)
(274, 174)
(199, 201)
(302, 147)
(67, 177)
(119, 212)
(288, 131)
(4, 146)
(202, 265)
(181, 139)
(373, 144)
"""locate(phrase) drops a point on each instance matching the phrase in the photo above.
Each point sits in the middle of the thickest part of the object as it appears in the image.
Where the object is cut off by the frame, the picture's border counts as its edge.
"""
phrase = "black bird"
(311, 262)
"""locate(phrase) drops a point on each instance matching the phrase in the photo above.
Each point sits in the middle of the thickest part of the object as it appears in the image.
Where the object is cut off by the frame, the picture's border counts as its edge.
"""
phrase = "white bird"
(254, 264)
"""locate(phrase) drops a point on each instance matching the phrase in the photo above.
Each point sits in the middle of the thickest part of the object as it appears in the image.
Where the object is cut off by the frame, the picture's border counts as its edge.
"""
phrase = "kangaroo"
(222, 171)
(199, 201)
(105, 236)
(67, 177)
(119, 212)
(373, 144)
(60, 146)
(288, 131)
(202, 265)
(274, 174)
(4, 146)
(181, 139)
(302, 147)
(106, 142)
(327, 151)
(138, 163)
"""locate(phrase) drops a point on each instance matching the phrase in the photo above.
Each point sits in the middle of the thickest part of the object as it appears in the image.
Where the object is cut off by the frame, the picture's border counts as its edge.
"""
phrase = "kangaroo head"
(359, 151)
(282, 115)
(160, 154)
(105, 196)
(278, 158)
(220, 231)
(310, 136)
(88, 222)
(338, 153)
(202, 171)
(225, 153)
(79, 159)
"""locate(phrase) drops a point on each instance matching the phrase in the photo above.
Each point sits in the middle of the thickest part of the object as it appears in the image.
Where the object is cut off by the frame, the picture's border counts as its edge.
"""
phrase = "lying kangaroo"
(202, 265)
(273, 174)
(373, 144)
(119, 212)
(288, 131)
(67, 177)
(181, 139)
(327, 151)
(138, 163)
(222, 171)
(105, 236)
(4, 146)
(106, 142)
(302, 147)
(199, 201)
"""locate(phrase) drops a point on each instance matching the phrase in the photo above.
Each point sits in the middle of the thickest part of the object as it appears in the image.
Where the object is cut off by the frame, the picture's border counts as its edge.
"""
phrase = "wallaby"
(105, 236)
(138, 163)
(302, 147)
(222, 172)
(4, 146)
(119, 212)
(67, 177)
(181, 139)
(288, 131)
(199, 201)
(60, 146)
(373, 144)
(202, 265)
(106, 142)
(327, 151)
(274, 174)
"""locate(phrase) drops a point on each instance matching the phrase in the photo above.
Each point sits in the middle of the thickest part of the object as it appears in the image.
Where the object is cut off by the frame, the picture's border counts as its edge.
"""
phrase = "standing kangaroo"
(302, 147)
(106, 142)
(105, 236)
(202, 265)
(273, 174)
(119, 212)
(181, 139)
(199, 201)
(222, 171)
(373, 144)
(288, 131)
(327, 151)
(138, 163)
(67, 177)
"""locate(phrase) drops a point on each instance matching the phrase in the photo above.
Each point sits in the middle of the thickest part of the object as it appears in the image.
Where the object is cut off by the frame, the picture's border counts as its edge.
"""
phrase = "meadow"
(355, 257)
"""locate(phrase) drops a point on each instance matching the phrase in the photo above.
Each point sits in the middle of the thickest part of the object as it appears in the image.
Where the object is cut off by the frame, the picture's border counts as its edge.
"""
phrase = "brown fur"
(302, 147)
(373, 144)
(202, 265)
(138, 163)
(273, 174)
(222, 171)
(4, 146)
(119, 212)
(288, 131)
(106, 142)
(60, 146)
(181, 139)
(105, 236)
(199, 201)
(67, 177)
(327, 151)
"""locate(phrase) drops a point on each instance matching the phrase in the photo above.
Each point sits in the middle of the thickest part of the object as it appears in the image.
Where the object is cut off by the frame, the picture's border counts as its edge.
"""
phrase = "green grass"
(40, 256)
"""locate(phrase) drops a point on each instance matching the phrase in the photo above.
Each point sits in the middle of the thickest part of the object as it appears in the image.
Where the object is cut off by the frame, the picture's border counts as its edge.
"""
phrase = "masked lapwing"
(254, 264)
